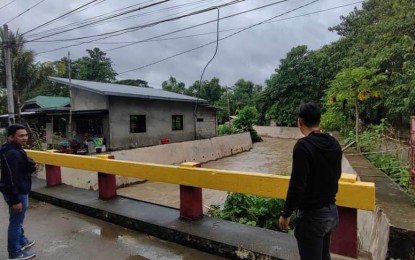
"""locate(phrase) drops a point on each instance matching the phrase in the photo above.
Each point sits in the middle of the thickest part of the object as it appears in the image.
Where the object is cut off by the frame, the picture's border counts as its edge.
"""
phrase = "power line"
(30, 8)
(200, 24)
(59, 17)
(103, 18)
(207, 33)
(7, 4)
(135, 28)
(144, 26)
(137, 9)
(85, 22)
(223, 38)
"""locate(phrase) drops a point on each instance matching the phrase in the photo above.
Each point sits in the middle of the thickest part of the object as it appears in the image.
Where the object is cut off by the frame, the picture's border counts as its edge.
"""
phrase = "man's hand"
(284, 223)
(18, 207)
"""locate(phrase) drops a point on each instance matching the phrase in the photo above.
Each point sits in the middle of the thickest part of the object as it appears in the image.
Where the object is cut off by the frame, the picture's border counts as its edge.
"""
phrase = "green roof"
(48, 102)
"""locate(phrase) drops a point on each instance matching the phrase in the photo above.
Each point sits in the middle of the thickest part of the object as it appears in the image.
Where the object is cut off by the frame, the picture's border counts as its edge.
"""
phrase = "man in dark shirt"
(16, 170)
(313, 186)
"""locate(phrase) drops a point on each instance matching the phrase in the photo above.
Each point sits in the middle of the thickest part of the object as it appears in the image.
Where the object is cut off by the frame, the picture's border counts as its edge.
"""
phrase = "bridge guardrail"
(352, 193)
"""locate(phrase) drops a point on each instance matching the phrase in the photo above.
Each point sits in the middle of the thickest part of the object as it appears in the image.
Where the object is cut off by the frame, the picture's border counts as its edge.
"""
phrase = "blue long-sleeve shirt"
(16, 170)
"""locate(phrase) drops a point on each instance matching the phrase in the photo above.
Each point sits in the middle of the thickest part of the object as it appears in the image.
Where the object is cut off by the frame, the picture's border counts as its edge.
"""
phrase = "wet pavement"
(272, 156)
(66, 235)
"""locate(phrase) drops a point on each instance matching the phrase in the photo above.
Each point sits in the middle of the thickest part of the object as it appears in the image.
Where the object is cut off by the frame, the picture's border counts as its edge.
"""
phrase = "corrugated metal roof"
(48, 101)
(110, 89)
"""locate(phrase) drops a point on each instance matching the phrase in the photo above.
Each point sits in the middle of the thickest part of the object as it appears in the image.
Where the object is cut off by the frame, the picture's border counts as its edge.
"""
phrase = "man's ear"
(299, 122)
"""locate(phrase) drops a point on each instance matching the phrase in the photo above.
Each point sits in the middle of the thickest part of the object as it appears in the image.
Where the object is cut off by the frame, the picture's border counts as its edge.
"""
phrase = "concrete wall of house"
(192, 151)
(205, 123)
(85, 100)
(158, 121)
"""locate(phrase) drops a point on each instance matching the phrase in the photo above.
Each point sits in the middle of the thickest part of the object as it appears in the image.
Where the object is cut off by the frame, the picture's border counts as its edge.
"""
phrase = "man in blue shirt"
(16, 170)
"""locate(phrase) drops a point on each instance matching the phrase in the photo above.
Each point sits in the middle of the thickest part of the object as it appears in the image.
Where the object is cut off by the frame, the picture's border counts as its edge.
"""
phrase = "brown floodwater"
(272, 156)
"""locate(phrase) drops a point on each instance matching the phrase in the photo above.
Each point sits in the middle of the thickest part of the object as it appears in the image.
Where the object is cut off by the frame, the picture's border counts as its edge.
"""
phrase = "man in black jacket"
(313, 186)
(16, 170)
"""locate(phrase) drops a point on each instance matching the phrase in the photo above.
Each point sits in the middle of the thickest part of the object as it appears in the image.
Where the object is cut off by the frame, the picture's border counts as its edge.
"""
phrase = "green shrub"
(251, 210)
(332, 120)
(228, 130)
(397, 170)
(254, 135)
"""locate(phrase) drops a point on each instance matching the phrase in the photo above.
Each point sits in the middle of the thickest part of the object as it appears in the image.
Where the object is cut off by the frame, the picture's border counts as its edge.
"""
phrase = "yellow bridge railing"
(352, 193)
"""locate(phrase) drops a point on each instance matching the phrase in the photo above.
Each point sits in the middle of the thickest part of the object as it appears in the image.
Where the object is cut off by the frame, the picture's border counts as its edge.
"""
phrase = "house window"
(200, 120)
(138, 124)
(177, 122)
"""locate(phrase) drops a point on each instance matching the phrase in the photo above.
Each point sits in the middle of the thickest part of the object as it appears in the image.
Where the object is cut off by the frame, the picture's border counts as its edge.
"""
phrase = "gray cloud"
(252, 54)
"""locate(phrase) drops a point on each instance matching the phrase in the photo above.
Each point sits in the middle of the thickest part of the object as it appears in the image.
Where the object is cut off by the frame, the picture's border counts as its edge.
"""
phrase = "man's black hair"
(310, 114)
(14, 128)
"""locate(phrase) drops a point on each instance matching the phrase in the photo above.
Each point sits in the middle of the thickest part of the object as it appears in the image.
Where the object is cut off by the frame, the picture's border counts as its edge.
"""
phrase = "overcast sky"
(252, 54)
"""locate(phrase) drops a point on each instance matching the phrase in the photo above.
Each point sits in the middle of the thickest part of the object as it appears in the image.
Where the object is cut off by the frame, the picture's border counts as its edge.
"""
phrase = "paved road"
(66, 235)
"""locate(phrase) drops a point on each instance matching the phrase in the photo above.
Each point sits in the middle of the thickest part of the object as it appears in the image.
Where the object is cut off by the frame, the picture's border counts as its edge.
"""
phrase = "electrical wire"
(30, 8)
(223, 38)
(137, 9)
(207, 33)
(205, 10)
(204, 69)
(59, 17)
(135, 28)
(104, 18)
(7, 4)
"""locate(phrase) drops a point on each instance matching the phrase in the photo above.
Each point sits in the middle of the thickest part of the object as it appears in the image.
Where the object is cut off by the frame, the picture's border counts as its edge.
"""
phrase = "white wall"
(192, 151)
(85, 100)
(279, 132)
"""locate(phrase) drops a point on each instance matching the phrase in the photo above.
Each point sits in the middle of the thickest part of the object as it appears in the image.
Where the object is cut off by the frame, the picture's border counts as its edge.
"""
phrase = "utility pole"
(10, 100)
(229, 108)
(70, 98)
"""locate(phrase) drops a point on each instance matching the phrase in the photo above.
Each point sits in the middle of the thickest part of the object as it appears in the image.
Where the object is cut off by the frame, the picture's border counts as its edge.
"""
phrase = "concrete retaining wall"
(279, 132)
(389, 231)
(203, 150)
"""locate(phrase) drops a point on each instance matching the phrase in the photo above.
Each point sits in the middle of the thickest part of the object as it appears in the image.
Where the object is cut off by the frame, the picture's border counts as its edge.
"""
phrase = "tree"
(245, 121)
(302, 76)
(208, 90)
(173, 85)
(380, 36)
(96, 67)
(133, 82)
(26, 74)
(355, 85)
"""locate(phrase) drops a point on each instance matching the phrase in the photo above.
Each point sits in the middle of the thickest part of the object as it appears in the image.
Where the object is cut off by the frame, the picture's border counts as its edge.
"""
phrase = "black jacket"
(16, 170)
(315, 173)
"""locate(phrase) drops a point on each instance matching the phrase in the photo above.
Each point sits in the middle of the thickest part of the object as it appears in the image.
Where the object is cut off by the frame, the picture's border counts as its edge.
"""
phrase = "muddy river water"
(272, 156)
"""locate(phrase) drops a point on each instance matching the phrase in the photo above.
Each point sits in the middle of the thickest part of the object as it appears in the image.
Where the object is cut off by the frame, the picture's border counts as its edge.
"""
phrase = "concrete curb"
(215, 236)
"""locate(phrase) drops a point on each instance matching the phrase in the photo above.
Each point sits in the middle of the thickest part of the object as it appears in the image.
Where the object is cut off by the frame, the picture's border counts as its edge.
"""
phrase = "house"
(129, 116)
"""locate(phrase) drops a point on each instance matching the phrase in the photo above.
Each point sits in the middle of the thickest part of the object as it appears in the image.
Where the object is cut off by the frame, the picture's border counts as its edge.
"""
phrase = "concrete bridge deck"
(61, 233)
(67, 235)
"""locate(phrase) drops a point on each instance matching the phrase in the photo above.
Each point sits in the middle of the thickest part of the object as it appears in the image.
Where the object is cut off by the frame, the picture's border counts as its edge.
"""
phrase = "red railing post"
(191, 200)
(107, 184)
(412, 143)
(344, 238)
(53, 173)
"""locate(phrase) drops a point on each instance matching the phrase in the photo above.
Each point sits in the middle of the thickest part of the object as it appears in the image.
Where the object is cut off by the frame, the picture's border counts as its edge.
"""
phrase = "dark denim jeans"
(16, 238)
(313, 230)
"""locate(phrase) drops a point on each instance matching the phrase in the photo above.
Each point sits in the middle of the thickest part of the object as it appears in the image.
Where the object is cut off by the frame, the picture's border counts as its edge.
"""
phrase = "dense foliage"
(251, 210)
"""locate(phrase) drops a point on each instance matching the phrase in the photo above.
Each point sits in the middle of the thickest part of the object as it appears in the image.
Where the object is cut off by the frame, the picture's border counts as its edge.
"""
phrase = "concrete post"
(191, 207)
(344, 238)
(53, 173)
(107, 185)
